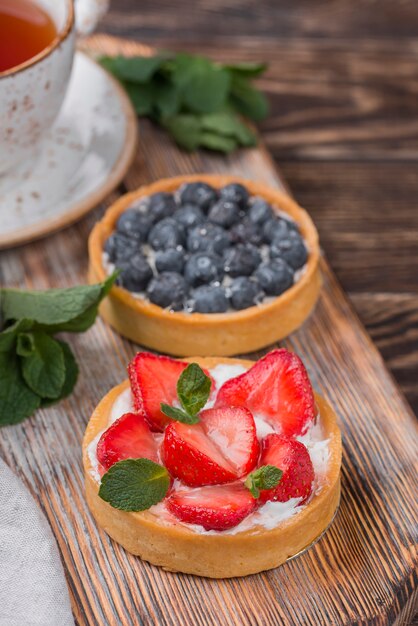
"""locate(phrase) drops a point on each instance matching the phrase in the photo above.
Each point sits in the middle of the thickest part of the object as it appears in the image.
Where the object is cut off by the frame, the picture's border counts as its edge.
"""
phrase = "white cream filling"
(267, 516)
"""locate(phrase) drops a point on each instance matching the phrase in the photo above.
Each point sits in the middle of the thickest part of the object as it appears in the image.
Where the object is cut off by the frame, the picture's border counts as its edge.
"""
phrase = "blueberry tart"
(208, 265)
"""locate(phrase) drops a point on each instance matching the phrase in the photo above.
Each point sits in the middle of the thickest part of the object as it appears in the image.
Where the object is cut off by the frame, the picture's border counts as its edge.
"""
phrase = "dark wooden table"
(343, 127)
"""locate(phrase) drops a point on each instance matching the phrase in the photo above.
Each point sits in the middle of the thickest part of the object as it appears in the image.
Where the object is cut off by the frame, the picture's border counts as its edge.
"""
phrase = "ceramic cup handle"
(88, 13)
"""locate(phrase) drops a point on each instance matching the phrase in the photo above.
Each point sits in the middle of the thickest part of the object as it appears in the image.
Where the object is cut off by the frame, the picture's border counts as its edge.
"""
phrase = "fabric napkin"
(33, 589)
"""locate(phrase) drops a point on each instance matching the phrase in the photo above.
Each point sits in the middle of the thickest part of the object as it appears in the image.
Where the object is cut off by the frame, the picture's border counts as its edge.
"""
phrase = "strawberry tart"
(214, 466)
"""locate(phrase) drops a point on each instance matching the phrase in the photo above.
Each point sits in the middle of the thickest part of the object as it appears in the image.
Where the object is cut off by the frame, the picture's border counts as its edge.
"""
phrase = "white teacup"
(31, 94)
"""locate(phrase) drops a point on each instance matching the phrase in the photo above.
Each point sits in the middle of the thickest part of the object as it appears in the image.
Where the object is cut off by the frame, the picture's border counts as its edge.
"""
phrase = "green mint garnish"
(193, 390)
(134, 484)
(37, 369)
(265, 477)
(199, 103)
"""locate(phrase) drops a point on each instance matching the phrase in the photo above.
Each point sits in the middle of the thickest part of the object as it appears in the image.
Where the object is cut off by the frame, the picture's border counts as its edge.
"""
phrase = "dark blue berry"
(161, 205)
(168, 290)
(235, 193)
(292, 249)
(209, 299)
(166, 234)
(200, 194)
(274, 277)
(246, 232)
(260, 211)
(136, 273)
(202, 268)
(207, 237)
(275, 228)
(242, 260)
(134, 224)
(245, 292)
(224, 213)
(189, 215)
(120, 248)
(171, 260)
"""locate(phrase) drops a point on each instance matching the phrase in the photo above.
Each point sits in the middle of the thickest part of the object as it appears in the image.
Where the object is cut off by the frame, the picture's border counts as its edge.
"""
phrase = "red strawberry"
(278, 387)
(233, 430)
(129, 437)
(292, 457)
(154, 380)
(214, 508)
(192, 457)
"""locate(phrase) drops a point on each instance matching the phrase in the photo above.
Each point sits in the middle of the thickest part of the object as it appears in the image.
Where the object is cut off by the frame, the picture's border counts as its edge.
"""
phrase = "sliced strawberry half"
(192, 457)
(214, 508)
(277, 387)
(292, 457)
(153, 381)
(232, 430)
(129, 437)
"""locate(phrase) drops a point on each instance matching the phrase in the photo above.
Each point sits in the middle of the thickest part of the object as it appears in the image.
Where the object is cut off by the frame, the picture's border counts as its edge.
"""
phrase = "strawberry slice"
(214, 508)
(129, 437)
(277, 387)
(232, 430)
(191, 456)
(292, 457)
(153, 381)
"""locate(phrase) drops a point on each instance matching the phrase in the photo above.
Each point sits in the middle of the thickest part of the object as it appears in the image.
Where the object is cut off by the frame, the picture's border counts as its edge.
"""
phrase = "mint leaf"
(25, 345)
(265, 477)
(71, 375)
(135, 69)
(227, 123)
(142, 97)
(185, 130)
(134, 484)
(8, 336)
(43, 368)
(204, 85)
(247, 69)
(178, 414)
(17, 401)
(247, 100)
(212, 141)
(193, 388)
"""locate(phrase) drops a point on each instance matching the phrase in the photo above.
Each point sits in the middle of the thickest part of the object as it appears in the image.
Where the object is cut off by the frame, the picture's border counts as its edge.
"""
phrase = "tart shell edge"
(179, 549)
(224, 334)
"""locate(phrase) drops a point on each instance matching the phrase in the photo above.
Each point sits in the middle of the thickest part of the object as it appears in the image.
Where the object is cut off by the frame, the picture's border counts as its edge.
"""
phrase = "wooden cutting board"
(363, 571)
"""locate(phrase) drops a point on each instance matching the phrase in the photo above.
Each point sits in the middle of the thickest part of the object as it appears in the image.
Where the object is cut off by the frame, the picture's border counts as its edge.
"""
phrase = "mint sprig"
(193, 390)
(265, 477)
(134, 484)
(200, 103)
(36, 369)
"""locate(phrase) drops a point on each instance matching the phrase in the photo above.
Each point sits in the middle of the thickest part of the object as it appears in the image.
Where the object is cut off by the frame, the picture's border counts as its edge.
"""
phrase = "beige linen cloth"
(33, 589)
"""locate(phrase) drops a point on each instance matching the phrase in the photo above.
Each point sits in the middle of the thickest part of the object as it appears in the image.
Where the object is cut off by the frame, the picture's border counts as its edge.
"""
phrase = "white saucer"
(84, 157)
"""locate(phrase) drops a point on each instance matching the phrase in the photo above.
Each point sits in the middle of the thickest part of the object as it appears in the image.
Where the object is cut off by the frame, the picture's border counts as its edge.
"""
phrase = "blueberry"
(235, 193)
(274, 277)
(136, 273)
(207, 238)
(241, 260)
(120, 248)
(189, 215)
(161, 205)
(292, 249)
(245, 231)
(200, 194)
(260, 211)
(275, 228)
(224, 213)
(245, 292)
(166, 234)
(202, 268)
(168, 290)
(134, 224)
(171, 260)
(209, 299)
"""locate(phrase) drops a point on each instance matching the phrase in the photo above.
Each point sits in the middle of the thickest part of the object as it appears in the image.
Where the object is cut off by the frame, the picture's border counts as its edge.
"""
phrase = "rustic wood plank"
(363, 571)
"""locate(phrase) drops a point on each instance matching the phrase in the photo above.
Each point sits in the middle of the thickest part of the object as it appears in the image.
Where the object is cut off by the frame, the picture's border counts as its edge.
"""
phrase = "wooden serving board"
(363, 571)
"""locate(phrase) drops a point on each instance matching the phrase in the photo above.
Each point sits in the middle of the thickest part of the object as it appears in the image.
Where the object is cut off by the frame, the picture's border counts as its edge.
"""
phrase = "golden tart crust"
(178, 548)
(224, 334)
